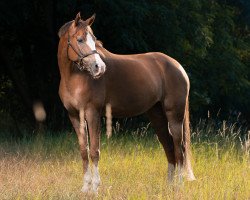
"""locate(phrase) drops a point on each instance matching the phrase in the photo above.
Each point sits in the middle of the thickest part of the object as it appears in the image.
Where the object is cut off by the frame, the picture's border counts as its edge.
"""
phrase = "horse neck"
(104, 53)
(63, 61)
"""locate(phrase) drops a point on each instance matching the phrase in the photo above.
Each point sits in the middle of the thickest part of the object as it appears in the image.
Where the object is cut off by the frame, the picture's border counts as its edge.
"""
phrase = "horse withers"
(152, 83)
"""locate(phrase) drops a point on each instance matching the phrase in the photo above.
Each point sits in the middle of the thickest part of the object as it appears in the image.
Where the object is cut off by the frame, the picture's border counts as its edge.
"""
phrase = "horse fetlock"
(87, 179)
(96, 185)
(171, 172)
(95, 156)
(96, 178)
(86, 188)
(180, 172)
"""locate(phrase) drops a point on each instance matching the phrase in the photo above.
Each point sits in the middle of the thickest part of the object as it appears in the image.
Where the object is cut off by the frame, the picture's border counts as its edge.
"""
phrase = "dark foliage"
(211, 39)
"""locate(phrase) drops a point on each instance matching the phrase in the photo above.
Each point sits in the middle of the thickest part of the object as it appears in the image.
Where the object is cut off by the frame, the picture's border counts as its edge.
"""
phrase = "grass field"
(132, 166)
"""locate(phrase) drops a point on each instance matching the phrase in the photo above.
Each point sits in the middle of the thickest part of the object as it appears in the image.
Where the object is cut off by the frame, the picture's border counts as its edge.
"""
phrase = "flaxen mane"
(98, 43)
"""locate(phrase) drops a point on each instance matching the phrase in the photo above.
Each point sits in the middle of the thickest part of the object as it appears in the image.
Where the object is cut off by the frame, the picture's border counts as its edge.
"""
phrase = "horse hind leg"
(175, 118)
(160, 125)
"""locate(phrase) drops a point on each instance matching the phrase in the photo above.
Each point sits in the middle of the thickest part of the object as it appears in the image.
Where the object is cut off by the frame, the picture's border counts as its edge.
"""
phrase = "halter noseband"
(80, 63)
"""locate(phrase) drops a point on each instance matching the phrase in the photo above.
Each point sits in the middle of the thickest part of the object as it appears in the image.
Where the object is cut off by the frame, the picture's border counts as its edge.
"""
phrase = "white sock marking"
(180, 173)
(96, 178)
(170, 172)
(86, 180)
(90, 42)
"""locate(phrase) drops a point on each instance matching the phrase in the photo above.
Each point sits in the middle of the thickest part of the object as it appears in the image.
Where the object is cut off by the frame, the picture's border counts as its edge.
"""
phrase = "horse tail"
(187, 132)
(187, 143)
(108, 120)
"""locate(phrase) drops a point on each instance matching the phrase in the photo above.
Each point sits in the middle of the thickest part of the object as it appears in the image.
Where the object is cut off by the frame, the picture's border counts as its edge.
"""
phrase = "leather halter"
(80, 63)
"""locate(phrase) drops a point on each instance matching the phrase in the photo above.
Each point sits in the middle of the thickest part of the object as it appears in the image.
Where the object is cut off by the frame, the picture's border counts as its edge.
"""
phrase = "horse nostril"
(96, 66)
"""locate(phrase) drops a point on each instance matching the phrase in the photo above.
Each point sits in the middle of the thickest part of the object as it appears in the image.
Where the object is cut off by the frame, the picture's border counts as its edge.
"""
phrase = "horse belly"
(132, 105)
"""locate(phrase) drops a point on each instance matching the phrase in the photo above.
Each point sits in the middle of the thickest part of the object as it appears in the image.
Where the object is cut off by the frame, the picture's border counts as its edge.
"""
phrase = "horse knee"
(84, 153)
(95, 155)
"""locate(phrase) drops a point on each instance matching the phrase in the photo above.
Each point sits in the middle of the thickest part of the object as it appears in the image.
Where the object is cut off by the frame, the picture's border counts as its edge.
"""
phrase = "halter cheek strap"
(80, 63)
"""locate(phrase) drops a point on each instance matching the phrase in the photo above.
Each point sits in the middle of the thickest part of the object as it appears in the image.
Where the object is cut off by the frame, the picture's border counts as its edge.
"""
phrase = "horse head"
(81, 47)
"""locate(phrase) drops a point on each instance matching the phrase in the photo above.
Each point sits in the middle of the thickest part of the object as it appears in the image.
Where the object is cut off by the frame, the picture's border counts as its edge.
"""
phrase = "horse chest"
(73, 97)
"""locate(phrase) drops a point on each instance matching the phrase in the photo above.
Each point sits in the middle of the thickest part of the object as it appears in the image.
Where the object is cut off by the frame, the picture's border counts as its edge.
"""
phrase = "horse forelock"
(65, 27)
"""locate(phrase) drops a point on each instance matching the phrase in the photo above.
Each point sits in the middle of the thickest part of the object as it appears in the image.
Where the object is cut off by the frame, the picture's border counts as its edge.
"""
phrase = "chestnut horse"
(152, 83)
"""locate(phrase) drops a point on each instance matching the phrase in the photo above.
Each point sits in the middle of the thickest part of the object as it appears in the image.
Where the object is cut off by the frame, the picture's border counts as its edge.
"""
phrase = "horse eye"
(79, 39)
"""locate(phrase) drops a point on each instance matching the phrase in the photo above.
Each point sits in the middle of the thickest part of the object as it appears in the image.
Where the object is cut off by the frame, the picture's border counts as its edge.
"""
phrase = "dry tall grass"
(131, 167)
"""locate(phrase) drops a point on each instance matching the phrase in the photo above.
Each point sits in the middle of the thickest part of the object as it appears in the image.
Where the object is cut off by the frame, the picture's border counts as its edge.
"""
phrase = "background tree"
(209, 38)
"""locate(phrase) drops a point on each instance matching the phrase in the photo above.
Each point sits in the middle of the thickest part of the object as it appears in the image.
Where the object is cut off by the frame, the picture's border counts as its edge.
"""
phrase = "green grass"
(131, 167)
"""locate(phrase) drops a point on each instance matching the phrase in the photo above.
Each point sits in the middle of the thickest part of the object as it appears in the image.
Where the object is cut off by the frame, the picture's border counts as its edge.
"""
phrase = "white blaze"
(91, 43)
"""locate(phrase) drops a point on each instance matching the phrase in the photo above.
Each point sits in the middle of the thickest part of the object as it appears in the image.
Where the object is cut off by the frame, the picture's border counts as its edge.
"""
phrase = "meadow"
(132, 166)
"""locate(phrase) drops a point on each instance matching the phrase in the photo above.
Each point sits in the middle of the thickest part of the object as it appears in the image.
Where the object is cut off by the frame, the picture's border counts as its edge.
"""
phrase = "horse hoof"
(95, 188)
(190, 176)
(85, 189)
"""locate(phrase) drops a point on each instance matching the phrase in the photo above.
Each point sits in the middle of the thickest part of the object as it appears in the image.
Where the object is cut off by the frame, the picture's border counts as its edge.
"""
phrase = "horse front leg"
(94, 127)
(78, 122)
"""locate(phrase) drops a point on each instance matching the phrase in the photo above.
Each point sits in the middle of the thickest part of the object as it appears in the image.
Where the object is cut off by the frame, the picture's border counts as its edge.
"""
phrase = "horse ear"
(90, 20)
(77, 19)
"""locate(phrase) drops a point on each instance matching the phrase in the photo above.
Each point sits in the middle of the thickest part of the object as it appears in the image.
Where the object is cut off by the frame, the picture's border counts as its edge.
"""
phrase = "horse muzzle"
(99, 71)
